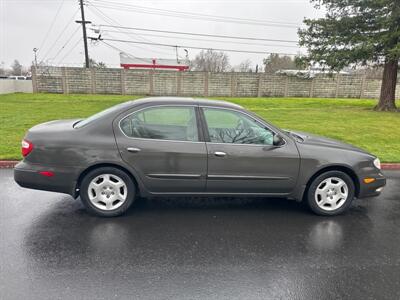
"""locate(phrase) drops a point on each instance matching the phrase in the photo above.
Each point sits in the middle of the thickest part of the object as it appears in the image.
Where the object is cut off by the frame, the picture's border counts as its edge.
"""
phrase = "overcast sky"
(26, 24)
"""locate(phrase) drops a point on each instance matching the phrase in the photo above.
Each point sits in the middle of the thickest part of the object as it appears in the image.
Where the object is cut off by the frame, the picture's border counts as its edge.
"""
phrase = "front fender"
(315, 159)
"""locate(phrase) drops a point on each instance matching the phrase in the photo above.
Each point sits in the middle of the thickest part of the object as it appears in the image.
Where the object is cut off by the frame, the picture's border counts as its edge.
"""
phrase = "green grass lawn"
(349, 120)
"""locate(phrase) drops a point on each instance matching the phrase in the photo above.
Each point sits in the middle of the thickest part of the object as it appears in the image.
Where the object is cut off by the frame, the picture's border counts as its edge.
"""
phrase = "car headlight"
(377, 163)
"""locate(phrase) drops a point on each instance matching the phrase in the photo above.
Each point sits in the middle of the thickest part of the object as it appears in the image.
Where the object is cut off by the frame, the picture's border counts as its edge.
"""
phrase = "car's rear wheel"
(330, 193)
(107, 192)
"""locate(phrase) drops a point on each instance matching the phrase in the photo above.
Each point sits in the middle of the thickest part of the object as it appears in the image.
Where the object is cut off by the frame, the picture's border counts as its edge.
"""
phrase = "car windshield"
(100, 114)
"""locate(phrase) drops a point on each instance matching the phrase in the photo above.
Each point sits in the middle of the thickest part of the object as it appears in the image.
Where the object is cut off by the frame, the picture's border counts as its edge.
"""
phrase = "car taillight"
(26, 147)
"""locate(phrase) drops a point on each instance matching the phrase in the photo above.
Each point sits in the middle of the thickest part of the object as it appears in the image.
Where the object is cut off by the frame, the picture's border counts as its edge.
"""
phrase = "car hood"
(312, 139)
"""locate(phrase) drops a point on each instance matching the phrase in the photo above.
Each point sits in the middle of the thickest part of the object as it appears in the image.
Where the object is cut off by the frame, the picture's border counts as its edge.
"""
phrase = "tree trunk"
(388, 89)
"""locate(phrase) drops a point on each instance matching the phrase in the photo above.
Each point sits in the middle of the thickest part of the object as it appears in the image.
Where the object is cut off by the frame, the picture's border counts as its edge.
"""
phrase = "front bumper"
(28, 176)
(374, 188)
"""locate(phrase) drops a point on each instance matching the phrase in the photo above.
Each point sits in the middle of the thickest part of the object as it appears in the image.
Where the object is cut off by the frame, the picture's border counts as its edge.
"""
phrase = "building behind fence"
(163, 83)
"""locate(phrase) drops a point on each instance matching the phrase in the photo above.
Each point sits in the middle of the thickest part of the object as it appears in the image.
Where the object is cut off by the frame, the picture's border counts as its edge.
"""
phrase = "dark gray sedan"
(191, 147)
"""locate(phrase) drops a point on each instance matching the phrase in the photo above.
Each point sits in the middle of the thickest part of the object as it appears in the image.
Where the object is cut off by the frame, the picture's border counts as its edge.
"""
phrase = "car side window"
(229, 126)
(163, 123)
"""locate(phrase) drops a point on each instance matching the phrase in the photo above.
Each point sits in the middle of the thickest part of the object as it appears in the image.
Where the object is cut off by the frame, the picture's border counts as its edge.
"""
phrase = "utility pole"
(83, 22)
(34, 51)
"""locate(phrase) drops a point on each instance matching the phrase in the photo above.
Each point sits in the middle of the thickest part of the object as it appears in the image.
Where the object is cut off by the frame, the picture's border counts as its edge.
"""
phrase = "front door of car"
(243, 157)
(162, 144)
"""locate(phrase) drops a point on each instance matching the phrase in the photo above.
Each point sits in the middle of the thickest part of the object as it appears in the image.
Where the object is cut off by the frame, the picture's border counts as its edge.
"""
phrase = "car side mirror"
(278, 141)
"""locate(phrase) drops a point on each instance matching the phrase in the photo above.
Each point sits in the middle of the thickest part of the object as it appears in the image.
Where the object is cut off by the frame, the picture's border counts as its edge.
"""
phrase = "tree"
(211, 61)
(16, 68)
(101, 65)
(94, 64)
(245, 66)
(275, 62)
(357, 32)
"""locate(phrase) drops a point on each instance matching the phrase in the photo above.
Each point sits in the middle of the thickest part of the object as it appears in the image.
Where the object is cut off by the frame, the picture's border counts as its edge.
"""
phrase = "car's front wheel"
(107, 192)
(330, 193)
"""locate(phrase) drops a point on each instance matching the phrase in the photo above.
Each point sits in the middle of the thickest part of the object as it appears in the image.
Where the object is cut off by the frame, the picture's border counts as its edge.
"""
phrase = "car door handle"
(133, 150)
(219, 153)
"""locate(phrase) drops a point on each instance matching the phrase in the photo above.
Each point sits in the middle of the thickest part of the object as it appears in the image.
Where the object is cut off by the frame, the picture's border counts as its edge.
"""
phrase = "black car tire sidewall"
(111, 213)
(313, 186)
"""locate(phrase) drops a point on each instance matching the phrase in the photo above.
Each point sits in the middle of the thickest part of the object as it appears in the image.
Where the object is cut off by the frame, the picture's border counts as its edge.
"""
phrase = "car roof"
(184, 101)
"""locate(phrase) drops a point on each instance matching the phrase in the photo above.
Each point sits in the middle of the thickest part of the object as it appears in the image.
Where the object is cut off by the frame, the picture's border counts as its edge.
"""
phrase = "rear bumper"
(372, 189)
(28, 176)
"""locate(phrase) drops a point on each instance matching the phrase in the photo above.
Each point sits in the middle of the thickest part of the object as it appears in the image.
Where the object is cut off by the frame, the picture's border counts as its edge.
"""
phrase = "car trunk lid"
(54, 126)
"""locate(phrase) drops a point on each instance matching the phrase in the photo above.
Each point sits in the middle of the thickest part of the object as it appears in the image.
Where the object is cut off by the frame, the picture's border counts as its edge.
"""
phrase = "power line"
(207, 40)
(200, 34)
(190, 15)
(70, 51)
(120, 50)
(107, 19)
(194, 47)
(66, 43)
(60, 35)
(51, 25)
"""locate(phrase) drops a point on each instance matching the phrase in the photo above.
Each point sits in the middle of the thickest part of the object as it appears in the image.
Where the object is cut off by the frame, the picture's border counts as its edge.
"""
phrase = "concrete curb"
(390, 166)
(9, 164)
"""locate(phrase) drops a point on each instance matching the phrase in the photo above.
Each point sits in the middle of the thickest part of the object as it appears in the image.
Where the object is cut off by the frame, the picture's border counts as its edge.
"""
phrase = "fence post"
(151, 83)
(286, 86)
(123, 79)
(93, 80)
(205, 84)
(64, 80)
(337, 85)
(312, 87)
(363, 79)
(179, 83)
(34, 80)
(233, 85)
(259, 94)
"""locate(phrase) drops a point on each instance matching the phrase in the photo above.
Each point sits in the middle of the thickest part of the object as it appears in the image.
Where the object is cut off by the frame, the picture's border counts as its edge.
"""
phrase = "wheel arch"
(102, 165)
(345, 169)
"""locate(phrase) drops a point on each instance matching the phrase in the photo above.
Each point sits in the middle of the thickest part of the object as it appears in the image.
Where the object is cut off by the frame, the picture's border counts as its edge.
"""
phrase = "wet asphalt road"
(187, 249)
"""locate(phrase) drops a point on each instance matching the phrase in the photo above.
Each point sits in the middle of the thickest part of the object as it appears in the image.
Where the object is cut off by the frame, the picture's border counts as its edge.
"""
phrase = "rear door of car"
(165, 145)
(242, 157)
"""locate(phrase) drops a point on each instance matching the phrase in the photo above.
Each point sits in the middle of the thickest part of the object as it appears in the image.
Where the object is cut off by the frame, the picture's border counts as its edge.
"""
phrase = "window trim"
(195, 107)
(207, 135)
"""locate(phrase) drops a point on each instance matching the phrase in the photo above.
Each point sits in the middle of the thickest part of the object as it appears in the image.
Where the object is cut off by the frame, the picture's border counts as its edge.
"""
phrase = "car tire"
(331, 193)
(107, 192)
